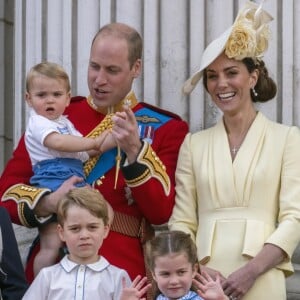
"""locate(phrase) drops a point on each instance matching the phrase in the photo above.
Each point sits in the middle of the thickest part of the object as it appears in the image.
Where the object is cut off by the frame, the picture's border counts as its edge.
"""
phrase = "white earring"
(254, 92)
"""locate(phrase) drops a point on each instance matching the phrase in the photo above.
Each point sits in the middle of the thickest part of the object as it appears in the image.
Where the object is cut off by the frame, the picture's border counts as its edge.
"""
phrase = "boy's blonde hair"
(48, 69)
(84, 197)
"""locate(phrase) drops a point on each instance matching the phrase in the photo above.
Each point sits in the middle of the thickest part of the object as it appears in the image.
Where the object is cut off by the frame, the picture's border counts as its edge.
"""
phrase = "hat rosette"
(247, 37)
(250, 33)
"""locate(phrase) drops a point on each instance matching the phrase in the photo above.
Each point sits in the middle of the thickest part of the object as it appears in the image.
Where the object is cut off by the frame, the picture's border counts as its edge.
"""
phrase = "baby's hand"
(105, 141)
(108, 143)
(136, 290)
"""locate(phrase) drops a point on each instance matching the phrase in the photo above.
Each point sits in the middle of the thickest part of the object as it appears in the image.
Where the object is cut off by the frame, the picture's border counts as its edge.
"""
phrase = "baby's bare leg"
(49, 247)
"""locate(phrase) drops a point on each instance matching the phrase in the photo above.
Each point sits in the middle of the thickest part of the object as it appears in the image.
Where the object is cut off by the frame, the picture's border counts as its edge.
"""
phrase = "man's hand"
(48, 204)
(126, 133)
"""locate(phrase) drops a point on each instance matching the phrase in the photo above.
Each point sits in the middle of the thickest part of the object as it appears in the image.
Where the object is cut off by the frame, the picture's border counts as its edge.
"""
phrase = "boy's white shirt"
(69, 280)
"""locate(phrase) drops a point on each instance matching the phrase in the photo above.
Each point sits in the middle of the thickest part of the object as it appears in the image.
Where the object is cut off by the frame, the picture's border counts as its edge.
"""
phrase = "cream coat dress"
(232, 208)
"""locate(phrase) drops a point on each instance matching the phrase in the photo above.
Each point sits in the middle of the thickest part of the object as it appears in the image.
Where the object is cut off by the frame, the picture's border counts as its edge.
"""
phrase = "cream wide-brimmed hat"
(247, 37)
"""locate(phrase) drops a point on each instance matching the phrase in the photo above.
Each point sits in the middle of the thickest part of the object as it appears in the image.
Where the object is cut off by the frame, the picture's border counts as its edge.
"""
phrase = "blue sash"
(148, 121)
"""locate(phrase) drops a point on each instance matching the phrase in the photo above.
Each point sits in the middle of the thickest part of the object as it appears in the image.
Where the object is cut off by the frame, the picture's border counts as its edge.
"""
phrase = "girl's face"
(173, 274)
(229, 83)
(84, 234)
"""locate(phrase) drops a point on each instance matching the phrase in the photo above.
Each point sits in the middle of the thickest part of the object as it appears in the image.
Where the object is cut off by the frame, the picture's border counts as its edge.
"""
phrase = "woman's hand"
(240, 281)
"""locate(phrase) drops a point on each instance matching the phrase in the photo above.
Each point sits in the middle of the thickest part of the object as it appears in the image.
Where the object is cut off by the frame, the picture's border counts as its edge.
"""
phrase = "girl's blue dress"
(189, 296)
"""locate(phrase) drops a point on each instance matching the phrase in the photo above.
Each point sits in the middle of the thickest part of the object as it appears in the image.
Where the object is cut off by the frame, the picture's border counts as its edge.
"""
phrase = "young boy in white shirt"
(83, 224)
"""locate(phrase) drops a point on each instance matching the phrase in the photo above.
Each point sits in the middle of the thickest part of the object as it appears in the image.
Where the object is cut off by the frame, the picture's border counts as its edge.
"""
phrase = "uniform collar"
(129, 100)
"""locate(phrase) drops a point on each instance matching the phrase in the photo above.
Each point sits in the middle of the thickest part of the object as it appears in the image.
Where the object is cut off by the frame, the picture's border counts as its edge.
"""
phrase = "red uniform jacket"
(135, 195)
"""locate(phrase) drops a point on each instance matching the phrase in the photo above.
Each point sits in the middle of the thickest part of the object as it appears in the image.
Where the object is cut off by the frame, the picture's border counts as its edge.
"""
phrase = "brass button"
(99, 181)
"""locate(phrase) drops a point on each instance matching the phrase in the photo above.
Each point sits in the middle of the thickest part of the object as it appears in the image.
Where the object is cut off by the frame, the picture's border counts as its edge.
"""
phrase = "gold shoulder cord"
(105, 124)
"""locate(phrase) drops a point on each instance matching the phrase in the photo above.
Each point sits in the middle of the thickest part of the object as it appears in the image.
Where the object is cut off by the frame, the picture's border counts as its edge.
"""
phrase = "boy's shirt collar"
(97, 266)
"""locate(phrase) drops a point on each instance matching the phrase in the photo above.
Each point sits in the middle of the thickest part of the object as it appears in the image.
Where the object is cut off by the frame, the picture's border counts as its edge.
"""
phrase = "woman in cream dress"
(238, 183)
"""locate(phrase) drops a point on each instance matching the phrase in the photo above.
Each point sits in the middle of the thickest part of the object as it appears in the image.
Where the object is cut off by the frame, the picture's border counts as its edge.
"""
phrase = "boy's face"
(48, 96)
(84, 234)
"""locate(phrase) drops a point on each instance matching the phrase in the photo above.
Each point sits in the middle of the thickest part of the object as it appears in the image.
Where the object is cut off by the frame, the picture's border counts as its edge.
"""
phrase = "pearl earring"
(254, 92)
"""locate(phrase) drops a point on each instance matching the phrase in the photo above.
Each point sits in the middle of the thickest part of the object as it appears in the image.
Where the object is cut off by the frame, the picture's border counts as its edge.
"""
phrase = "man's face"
(109, 74)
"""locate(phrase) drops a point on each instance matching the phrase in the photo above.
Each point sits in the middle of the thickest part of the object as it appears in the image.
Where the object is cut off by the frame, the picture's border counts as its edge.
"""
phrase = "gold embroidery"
(139, 180)
(129, 100)
(21, 194)
(156, 168)
(147, 119)
(99, 181)
(105, 124)
(21, 215)
(118, 163)
(25, 193)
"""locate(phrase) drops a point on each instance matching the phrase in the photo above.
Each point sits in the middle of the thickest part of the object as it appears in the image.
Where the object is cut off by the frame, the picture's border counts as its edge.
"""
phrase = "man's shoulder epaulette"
(161, 111)
(77, 98)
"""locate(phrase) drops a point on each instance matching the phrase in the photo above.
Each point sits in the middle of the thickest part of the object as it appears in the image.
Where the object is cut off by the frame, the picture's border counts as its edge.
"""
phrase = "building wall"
(6, 80)
(175, 33)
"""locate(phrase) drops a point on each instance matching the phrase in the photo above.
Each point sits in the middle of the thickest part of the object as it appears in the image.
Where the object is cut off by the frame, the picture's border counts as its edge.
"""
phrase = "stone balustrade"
(293, 282)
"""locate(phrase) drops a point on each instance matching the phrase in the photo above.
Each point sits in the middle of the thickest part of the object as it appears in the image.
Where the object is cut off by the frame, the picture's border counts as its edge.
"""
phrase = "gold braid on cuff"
(24, 195)
(155, 168)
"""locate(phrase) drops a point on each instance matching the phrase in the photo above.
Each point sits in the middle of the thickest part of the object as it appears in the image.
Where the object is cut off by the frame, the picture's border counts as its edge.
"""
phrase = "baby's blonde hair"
(48, 69)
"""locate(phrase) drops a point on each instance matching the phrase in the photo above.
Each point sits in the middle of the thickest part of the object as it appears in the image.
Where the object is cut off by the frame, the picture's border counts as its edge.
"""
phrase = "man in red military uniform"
(142, 191)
